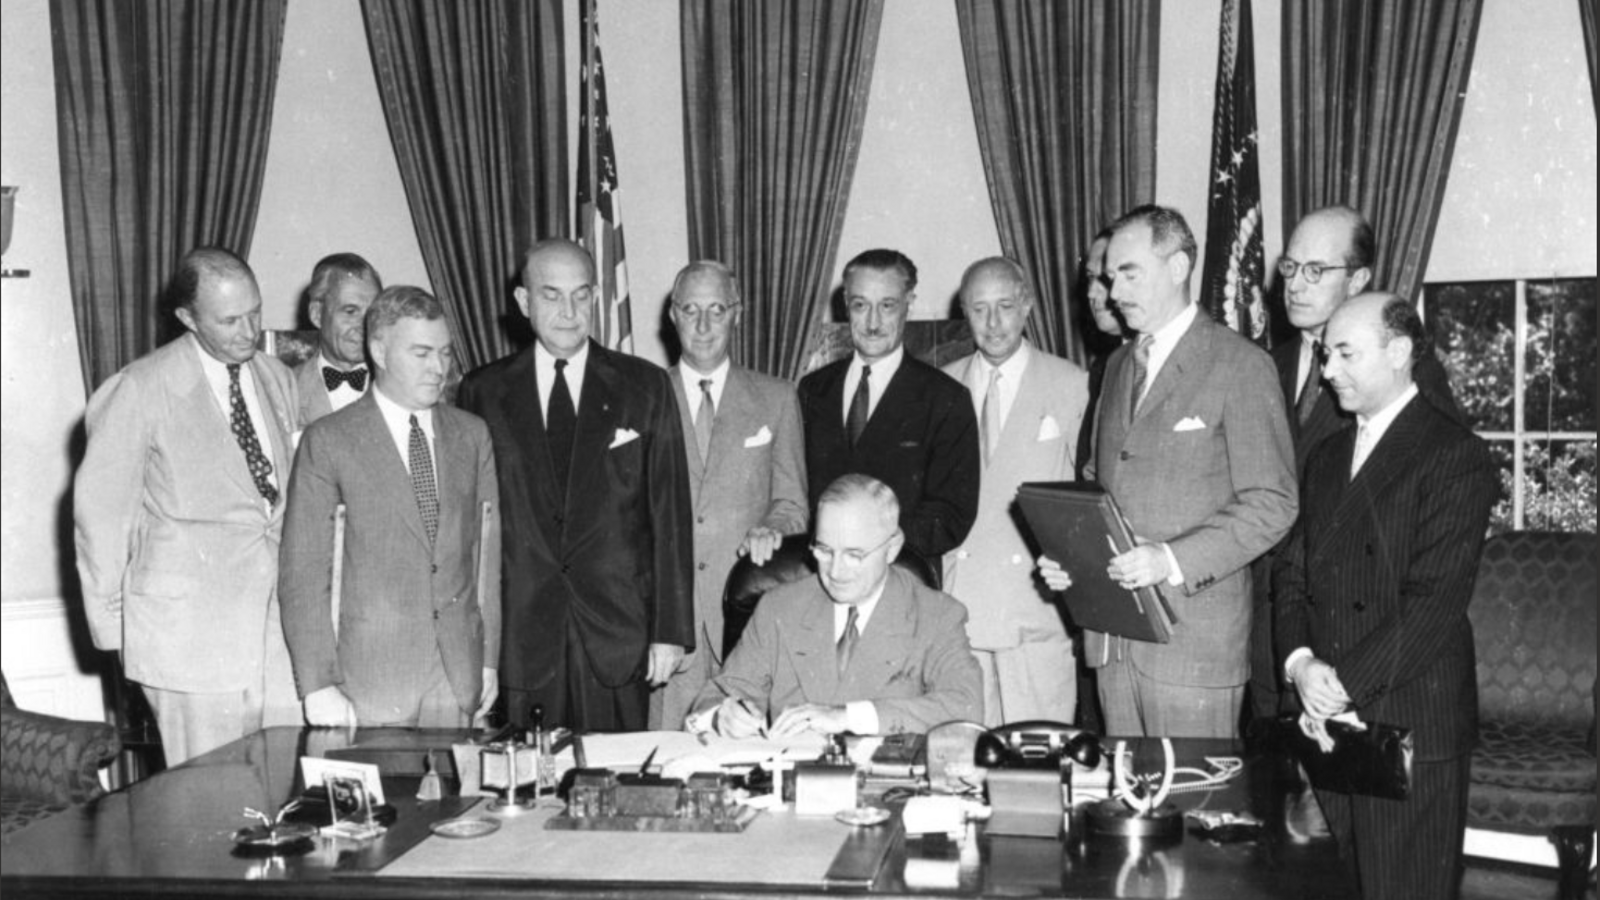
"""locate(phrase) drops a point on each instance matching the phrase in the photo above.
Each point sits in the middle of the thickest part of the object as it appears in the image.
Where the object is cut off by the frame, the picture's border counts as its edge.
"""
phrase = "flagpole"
(590, 122)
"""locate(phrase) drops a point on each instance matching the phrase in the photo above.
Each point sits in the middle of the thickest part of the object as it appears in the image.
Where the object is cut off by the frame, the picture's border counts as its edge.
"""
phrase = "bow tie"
(356, 378)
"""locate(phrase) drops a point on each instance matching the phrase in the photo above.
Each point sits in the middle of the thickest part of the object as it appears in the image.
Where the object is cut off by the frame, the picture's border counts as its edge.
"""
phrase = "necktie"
(356, 378)
(859, 405)
(1363, 447)
(703, 418)
(1312, 389)
(245, 432)
(422, 482)
(847, 641)
(561, 422)
(991, 416)
(1141, 369)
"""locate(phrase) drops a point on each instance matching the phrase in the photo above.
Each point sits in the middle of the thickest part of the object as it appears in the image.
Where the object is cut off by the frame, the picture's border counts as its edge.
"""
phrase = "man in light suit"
(891, 416)
(417, 639)
(747, 474)
(178, 511)
(862, 647)
(1372, 592)
(594, 492)
(1193, 443)
(1030, 407)
(343, 285)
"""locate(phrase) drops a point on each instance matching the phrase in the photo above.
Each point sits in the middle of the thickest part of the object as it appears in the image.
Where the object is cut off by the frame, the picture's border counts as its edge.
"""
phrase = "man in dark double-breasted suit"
(594, 491)
(1372, 592)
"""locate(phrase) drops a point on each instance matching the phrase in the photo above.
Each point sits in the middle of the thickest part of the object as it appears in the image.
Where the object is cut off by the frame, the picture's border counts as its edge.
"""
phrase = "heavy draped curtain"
(475, 98)
(163, 111)
(1372, 98)
(774, 97)
(1064, 94)
(1586, 13)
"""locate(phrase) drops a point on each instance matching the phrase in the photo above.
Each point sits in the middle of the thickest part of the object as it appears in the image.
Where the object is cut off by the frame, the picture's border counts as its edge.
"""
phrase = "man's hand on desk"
(329, 708)
(1055, 577)
(811, 717)
(663, 660)
(736, 719)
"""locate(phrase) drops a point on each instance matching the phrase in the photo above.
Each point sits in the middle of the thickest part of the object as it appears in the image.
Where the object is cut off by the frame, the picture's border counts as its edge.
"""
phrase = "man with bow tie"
(343, 285)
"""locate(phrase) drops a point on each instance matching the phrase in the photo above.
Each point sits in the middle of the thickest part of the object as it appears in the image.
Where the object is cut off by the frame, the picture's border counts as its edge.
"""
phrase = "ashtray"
(465, 827)
(863, 816)
(287, 838)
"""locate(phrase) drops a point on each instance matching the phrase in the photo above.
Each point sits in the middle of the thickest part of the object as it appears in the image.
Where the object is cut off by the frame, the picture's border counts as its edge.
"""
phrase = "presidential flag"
(599, 200)
(1232, 283)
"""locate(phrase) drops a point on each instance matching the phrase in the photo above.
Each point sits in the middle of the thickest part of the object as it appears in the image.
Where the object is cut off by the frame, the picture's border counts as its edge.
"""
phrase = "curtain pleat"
(1591, 46)
(775, 94)
(1064, 95)
(475, 97)
(1372, 99)
(164, 109)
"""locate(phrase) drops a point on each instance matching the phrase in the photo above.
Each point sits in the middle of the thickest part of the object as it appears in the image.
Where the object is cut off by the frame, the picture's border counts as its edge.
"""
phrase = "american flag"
(599, 200)
(1232, 287)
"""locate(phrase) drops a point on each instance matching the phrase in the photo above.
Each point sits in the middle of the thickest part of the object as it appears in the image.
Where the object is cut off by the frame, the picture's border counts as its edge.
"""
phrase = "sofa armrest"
(51, 759)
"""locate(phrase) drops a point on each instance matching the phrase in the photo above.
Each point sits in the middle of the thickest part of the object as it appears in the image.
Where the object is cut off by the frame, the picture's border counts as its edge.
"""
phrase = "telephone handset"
(1037, 744)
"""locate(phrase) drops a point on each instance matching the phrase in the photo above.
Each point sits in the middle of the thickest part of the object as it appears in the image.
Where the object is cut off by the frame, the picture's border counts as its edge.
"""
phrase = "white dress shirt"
(1010, 381)
(217, 378)
(544, 365)
(882, 371)
(1163, 341)
(398, 420)
(691, 385)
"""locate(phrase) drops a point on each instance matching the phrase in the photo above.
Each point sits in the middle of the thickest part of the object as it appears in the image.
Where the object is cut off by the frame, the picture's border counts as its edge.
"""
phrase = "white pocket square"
(294, 439)
(1189, 423)
(1049, 430)
(624, 435)
(760, 438)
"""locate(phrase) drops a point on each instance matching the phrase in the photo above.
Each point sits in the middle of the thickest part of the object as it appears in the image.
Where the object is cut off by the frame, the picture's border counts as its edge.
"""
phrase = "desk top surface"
(171, 835)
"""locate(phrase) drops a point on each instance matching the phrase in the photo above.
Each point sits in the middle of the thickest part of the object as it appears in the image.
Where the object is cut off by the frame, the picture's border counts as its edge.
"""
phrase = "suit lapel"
(738, 408)
(1191, 348)
(881, 646)
(279, 419)
(1027, 410)
(379, 448)
(455, 467)
(1387, 459)
(813, 650)
(697, 466)
(900, 403)
(520, 404)
(217, 422)
(597, 422)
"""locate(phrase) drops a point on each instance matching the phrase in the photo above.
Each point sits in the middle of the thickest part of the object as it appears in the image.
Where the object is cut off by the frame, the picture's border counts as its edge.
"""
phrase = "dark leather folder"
(1078, 524)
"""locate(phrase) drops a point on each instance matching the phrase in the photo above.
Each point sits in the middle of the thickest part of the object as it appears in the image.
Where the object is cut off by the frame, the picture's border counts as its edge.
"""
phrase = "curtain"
(1587, 13)
(1372, 97)
(475, 97)
(1064, 94)
(163, 110)
(774, 96)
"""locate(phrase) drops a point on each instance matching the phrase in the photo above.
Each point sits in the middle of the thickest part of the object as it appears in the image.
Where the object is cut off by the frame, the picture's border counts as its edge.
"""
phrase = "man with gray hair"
(342, 286)
(863, 647)
(415, 639)
(747, 469)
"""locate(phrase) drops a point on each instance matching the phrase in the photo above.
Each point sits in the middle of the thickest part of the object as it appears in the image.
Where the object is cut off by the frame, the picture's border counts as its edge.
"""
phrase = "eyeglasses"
(1311, 270)
(825, 554)
(716, 313)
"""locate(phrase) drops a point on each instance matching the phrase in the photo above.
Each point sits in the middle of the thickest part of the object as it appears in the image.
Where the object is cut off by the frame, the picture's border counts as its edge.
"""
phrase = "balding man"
(178, 509)
(1372, 592)
(342, 286)
(747, 468)
(594, 487)
(863, 647)
(1030, 408)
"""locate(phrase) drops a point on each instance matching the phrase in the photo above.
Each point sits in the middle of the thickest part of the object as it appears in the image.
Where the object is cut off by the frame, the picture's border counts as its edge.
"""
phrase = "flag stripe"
(598, 202)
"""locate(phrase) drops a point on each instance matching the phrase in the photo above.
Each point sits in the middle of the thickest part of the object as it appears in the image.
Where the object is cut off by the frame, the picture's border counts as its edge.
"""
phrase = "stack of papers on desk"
(681, 754)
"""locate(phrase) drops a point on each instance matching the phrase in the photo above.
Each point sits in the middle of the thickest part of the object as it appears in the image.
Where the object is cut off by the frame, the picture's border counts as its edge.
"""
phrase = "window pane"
(1558, 490)
(1473, 327)
(1560, 388)
(1502, 517)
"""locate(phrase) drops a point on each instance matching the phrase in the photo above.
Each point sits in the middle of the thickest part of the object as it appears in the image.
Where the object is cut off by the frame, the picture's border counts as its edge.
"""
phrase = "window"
(1521, 358)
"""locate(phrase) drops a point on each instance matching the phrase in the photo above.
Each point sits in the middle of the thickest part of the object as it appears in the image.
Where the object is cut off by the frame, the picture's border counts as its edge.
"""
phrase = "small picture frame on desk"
(349, 808)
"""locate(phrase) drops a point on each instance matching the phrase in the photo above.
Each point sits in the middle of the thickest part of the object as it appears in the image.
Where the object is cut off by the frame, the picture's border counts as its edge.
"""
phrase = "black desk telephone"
(1037, 744)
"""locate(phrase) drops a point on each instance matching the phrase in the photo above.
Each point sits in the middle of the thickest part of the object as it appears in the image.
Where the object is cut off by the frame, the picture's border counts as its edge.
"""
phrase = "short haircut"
(885, 260)
(1169, 232)
(203, 263)
(1401, 319)
(1005, 266)
(403, 301)
(848, 487)
(564, 245)
(707, 267)
(334, 268)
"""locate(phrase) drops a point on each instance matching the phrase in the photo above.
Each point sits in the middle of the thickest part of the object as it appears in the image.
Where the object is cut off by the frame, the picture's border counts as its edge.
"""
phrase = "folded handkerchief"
(1189, 423)
(760, 438)
(294, 439)
(1049, 430)
(624, 435)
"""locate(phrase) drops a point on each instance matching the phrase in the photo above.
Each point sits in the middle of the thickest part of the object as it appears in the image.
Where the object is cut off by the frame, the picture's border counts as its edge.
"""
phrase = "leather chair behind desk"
(748, 582)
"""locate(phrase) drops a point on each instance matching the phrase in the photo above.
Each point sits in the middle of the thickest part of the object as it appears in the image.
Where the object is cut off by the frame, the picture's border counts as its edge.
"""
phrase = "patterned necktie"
(561, 423)
(1312, 389)
(356, 378)
(422, 481)
(703, 418)
(847, 641)
(1141, 370)
(245, 432)
(991, 416)
(859, 406)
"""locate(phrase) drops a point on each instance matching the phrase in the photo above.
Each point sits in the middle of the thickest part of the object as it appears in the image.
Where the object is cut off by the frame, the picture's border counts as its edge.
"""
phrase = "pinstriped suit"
(1376, 580)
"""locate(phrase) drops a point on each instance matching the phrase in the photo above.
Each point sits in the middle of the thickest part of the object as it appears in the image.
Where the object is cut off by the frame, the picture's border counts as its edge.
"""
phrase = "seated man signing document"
(863, 647)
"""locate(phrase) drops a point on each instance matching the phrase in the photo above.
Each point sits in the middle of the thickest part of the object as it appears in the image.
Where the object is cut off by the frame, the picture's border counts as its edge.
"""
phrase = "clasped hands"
(737, 719)
(1322, 696)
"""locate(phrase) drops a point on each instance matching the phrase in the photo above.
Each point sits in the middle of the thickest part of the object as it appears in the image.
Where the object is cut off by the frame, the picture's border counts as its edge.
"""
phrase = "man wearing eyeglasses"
(891, 416)
(747, 476)
(863, 647)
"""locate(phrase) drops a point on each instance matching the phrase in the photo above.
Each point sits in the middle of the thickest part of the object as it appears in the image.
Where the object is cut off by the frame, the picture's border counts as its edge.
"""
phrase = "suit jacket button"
(436, 614)
(561, 520)
(1124, 455)
(1361, 606)
(702, 567)
(433, 569)
(565, 568)
(699, 520)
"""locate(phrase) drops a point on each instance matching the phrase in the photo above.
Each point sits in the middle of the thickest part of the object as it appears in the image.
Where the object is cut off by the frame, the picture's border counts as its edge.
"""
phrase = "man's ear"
(521, 294)
(314, 313)
(186, 316)
(895, 543)
(1179, 265)
(1359, 279)
(1398, 351)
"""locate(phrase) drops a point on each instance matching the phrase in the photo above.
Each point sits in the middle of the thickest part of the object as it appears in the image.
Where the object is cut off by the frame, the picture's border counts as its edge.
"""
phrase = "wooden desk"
(170, 836)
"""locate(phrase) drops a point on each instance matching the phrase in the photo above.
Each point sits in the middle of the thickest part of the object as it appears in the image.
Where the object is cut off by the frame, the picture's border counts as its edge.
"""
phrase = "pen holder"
(507, 768)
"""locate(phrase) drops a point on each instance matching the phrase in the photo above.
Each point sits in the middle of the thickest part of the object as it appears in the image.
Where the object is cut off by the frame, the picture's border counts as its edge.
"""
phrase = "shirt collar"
(883, 369)
(323, 362)
(545, 361)
(1379, 422)
(864, 609)
(692, 378)
(398, 417)
(1011, 369)
(1167, 335)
